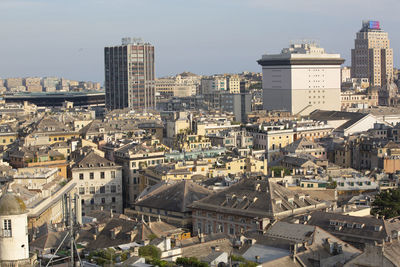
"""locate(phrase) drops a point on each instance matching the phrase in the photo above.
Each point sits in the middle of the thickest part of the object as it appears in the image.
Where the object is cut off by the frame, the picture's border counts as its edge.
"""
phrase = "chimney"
(201, 237)
(167, 243)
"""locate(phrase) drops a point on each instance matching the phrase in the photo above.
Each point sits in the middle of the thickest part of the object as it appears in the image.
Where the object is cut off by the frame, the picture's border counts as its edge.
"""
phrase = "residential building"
(237, 103)
(304, 146)
(33, 84)
(372, 56)
(170, 203)
(233, 84)
(213, 84)
(301, 79)
(44, 191)
(8, 134)
(129, 75)
(14, 83)
(345, 74)
(358, 231)
(98, 182)
(178, 86)
(271, 138)
(38, 156)
(249, 205)
(133, 158)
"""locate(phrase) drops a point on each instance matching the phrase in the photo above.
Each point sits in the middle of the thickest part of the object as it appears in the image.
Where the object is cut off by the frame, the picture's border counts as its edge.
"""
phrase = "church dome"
(10, 204)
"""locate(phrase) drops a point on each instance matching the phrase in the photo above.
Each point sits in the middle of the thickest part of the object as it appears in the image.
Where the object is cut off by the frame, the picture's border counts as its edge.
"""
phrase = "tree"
(150, 251)
(331, 185)
(191, 262)
(387, 203)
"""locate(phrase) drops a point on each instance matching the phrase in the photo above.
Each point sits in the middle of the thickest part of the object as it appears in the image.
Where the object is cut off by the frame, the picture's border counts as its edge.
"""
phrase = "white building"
(345, 74)
(99, 183)
(301, 79)
(14, 247)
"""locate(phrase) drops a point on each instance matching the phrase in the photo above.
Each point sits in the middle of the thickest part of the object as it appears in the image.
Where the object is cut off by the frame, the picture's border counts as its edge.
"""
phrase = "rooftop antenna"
(72, 217)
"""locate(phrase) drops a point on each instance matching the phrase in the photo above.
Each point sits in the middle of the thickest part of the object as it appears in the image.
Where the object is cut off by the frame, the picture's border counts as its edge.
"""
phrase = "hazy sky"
(66, 37)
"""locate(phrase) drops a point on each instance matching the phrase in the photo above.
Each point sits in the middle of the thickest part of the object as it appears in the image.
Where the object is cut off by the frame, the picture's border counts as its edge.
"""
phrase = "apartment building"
(133, 158)
(98, 182)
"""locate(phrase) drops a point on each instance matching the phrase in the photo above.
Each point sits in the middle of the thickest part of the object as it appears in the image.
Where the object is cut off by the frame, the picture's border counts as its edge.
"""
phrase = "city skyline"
(43, 38)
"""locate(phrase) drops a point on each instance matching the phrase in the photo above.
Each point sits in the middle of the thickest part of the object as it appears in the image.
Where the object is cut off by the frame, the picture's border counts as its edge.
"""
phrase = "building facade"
(372, 56)
(99, 183)
(129, 75)
(301, 79)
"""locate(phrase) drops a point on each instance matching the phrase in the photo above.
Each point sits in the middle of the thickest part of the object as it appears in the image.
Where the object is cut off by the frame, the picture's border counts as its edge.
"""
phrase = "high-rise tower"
(372, 56)
(301, 79)
(129, 75)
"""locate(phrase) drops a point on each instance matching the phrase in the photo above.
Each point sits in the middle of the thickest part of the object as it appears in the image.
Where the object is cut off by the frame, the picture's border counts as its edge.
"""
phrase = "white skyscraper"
(301, 79)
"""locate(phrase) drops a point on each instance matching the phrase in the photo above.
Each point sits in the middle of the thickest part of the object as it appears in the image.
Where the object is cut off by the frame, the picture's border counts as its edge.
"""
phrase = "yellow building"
(242, 165)
(54, 129)
(193, 142)
(153, 175)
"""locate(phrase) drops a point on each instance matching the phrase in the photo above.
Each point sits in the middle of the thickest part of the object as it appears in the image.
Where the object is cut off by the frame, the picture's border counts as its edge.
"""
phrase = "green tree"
(387, 203)
(191, 262)
(248, 264)
(150, 251)
(331, 185)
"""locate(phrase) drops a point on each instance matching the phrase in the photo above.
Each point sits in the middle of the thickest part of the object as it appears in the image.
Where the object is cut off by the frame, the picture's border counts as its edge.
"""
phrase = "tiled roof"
(176, 197)
(259, 198)
(93, 160)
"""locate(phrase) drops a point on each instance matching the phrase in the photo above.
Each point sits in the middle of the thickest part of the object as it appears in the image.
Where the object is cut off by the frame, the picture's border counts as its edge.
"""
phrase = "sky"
(66, 38)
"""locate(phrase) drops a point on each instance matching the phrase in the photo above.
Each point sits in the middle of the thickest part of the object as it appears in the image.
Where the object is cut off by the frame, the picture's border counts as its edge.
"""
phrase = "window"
(81, 190)
(113, 199)
(91, 190)
(92, 201)
(91, 175)
(113, 189)
(231, 230)
(7, 228)
(209, 228)
(102, 175)
(103, 200)
(112, 174)
(102, 189)
(81, 176)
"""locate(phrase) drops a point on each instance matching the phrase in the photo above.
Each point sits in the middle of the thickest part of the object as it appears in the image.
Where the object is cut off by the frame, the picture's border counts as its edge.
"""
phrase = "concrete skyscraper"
(301, 79)
(129, 75)
(372, 56)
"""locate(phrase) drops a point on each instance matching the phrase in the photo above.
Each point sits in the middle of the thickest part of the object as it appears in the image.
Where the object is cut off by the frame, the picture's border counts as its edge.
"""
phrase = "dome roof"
(10, 204)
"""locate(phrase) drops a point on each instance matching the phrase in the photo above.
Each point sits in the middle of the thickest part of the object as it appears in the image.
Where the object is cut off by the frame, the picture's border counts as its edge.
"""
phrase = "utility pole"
(71, 230)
